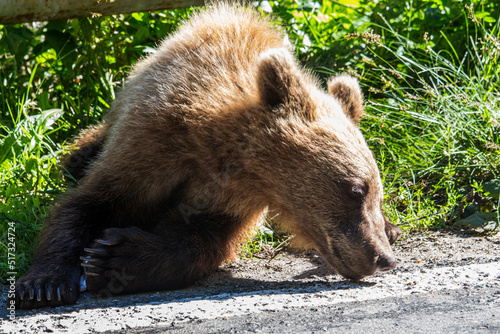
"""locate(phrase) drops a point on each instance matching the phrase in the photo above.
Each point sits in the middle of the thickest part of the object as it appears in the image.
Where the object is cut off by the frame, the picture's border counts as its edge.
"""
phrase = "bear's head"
(323, 178)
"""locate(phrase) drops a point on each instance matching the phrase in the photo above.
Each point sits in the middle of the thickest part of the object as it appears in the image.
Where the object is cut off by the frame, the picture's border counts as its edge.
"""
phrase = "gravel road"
(446, 281)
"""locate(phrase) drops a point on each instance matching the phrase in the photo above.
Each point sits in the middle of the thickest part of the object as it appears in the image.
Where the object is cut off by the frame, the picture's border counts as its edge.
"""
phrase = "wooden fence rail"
(18, 11)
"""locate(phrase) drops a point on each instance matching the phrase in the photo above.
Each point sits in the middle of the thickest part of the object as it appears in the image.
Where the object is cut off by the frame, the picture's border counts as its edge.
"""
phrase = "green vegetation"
(430, 70)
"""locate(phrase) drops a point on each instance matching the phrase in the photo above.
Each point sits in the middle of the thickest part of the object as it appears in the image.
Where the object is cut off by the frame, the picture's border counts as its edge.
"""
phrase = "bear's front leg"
(129, 260)
(54, 276)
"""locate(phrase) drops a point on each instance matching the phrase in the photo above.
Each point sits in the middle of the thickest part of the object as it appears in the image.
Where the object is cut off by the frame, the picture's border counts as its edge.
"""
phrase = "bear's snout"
(385, 262)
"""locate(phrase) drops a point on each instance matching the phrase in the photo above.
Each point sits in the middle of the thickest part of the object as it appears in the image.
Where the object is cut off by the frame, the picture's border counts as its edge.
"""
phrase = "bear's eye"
(358, 191)
(355, 188)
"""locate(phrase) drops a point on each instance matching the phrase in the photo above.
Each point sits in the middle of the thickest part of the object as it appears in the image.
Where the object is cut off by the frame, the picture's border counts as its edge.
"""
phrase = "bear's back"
(204, 67)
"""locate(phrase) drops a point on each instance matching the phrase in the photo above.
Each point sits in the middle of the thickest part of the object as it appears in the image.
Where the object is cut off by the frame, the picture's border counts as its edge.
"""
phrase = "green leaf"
(31, 165)
(493, 188)
(141, 35)
(49, 117)
(488, 221)
(138, 16)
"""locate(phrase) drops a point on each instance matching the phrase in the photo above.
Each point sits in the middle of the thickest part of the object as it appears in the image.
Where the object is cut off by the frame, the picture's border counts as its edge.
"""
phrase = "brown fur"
(83, 151)
(218, 126)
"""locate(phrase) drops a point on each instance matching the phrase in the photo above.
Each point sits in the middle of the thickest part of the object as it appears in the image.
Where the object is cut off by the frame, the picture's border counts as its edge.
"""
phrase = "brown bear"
(219, 126)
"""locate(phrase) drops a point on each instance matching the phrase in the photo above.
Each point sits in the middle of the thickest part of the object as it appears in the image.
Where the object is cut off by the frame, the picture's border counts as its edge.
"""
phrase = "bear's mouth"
(342, 266)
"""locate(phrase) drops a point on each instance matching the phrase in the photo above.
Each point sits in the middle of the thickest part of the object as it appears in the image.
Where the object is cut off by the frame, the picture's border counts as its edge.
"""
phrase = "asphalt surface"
(449, 311)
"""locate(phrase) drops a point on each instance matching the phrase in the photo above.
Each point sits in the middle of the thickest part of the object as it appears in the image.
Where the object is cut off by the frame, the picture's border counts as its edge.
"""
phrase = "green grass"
(436, 115)
(29, 177)
(429, 70)
(267, 242)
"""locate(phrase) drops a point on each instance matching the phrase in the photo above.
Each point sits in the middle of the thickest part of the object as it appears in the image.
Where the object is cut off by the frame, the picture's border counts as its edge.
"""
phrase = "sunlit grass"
(433, 124)
(30, 178)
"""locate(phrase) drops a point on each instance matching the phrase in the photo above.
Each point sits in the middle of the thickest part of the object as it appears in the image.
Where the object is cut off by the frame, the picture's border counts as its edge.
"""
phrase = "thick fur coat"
(219, 126)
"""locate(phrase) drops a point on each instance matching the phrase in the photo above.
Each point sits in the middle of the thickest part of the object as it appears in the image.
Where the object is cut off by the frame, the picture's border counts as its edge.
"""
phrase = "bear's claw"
(49, 292)
(106, 242)
(96, 251)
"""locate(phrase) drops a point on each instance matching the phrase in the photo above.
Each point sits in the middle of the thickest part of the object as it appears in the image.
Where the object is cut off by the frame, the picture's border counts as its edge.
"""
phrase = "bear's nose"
(385, 262)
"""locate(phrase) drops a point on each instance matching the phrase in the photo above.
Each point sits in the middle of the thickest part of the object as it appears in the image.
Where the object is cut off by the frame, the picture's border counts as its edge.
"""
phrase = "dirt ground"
(419, 250)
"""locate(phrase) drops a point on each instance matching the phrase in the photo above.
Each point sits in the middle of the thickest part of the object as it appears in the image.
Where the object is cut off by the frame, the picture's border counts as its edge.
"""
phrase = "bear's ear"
(346, 89)
(280, 80)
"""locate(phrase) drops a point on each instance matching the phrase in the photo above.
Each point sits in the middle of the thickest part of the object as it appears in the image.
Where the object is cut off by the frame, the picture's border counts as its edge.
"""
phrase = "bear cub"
(215, 129)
